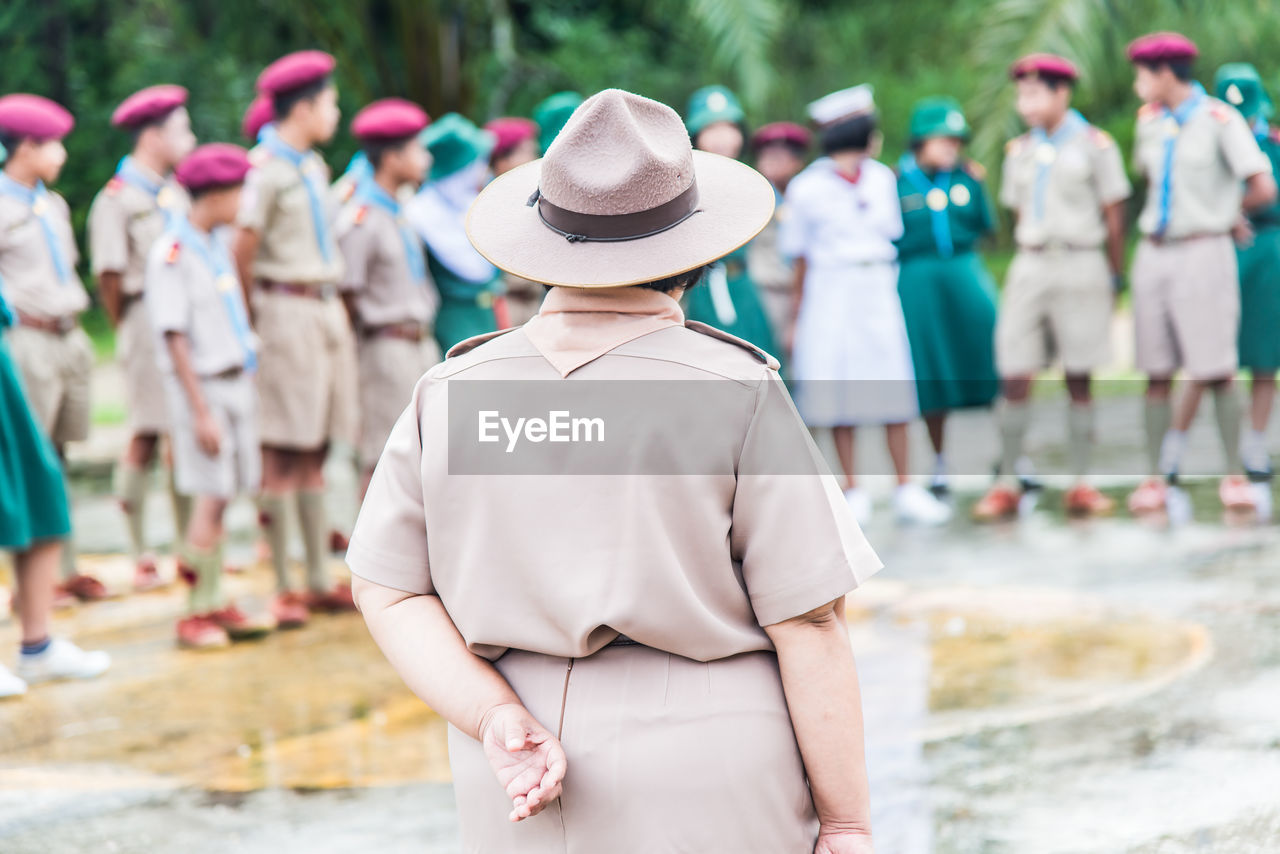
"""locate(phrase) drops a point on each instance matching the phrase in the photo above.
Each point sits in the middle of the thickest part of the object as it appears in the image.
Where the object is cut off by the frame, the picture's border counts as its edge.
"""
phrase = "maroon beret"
(260, 112)
(215, 164)
(34, 117)
(295, 70)
(148, 105)
(1162, 47)
(390, 118)
(789, 133)
(510, 131)
(1044, 63)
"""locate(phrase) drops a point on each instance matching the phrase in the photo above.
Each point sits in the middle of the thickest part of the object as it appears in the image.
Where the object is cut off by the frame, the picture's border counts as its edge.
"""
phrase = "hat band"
(577, 227)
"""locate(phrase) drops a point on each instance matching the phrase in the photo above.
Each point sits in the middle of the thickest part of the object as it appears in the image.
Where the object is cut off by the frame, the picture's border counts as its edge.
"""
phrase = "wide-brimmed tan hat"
(621, 198)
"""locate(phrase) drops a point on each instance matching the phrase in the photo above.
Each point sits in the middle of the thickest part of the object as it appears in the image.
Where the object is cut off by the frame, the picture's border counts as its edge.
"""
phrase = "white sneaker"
(1262, 499)
(1177, 505)
(10, 685)
(916, 505)
(62, 660)
(859, 503)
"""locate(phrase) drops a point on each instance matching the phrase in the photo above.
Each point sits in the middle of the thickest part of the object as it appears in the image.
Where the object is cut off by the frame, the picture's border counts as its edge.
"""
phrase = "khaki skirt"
(665, 754)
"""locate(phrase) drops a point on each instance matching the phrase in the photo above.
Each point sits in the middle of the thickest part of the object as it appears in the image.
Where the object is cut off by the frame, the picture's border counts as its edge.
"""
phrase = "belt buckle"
(327, 291)
(65, 324)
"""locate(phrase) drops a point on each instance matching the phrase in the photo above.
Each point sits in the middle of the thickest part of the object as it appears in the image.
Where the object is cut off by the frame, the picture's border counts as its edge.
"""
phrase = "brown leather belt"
(228, 374)
(52, 325)
(294, 289)
(406, 331)
(1185, 238)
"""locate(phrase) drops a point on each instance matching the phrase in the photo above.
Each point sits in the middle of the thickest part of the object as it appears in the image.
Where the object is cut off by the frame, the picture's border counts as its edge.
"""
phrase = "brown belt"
(407, 331)
(294, 289)
(228, 374)
(1185, 238)
(54, 326)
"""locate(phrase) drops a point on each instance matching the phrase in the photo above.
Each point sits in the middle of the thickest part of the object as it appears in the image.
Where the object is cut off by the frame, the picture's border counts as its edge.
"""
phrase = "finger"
(514, 735)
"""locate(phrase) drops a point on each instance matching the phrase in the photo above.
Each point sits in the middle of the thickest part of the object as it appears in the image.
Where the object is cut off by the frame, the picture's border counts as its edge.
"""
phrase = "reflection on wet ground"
(1037, 687)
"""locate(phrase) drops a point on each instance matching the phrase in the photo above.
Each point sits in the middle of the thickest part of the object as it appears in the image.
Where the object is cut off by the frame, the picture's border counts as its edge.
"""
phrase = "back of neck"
(15, 172)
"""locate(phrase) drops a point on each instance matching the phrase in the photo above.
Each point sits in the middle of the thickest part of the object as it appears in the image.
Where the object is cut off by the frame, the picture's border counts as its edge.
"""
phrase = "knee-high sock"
(1157, 416)
(181, 512)
(273, 517)
(314, 520)
(1079, 437)
(1013, 419)
(131, 489)
(205, 594)
(1226, 406)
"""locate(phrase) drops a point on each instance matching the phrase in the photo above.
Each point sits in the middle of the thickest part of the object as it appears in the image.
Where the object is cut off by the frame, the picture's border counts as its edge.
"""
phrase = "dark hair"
(135, 132)
(375, 149)
(849, 135)
(1181, 68)
(792, 148)
(10, 142)
(284, 102)
(196, 195)
(686, 280)
(1050, 80)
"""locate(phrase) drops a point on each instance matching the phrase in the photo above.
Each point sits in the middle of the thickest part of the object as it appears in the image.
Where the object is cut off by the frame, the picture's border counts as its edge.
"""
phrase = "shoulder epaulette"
(259, 155)
(1101, 138)
(115, 185)
(713, 332)
(359, 214)
(1221, 112)
(175, 249)
(1148, 111)
(468, 344)
(1015, 145)
(975, 169)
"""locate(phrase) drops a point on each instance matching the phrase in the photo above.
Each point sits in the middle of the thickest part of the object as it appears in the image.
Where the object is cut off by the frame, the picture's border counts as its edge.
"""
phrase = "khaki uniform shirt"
(704, 513)
(125, 219)
(184, 294)
(275, 203)
(1085, 174)
(1215, 151)
(375, 255)
(27, 270)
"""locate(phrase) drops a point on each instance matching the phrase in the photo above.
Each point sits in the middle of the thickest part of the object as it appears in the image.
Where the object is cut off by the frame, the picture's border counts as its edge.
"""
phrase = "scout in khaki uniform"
(626, 582)
(389, 292)
(471, 289)
(515, 144)
(208, 355)
(38, 273)
(1204, 171)
(779, 150)
(1064, 180)
(1258, 257)
(285, 247)
(126, 217)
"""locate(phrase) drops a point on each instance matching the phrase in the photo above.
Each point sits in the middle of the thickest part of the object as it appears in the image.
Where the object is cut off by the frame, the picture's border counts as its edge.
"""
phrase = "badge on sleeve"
(174, 251)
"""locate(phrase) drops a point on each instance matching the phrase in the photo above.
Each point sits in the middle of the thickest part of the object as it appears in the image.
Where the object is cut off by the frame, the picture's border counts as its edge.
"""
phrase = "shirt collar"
(579, 325)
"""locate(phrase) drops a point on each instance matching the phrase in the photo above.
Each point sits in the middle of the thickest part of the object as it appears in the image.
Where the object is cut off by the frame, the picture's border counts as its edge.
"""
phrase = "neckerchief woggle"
(304, 162)
(937, 199)
(369, 191)
(225, 281)
(1047, 145)
(1178, 117)
(37, 199)
(129, 172)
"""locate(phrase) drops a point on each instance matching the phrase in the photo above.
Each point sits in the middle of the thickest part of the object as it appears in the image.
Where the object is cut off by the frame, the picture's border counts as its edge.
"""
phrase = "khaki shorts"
(237, 467)
(1186, 307)
(56, 371)
(143, 382)
(389, 369)
(1055, 304)
(306, 372)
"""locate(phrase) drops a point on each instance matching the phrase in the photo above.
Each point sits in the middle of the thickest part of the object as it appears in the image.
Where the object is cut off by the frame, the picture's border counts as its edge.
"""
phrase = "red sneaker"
(1236, 494)
(338, 542)
(200, 632)
(1084, 500)
(86, 588)
(1000, 502)
(146, 576)
(336, 601)
(290, 610)
(1149, 497)
(239, 625)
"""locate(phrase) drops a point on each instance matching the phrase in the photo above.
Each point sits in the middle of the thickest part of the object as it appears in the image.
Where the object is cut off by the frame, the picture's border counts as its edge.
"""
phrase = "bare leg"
(1262, 394)
(37, 573)
(895, 436)
(936, 423)
(844, 439)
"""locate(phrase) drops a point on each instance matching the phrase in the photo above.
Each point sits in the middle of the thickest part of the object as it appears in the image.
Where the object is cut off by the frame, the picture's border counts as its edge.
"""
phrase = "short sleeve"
(1108, 171)
(793, 229)
(1008, 187)
(389, 542)
(354, 243)
(108, 235)
(168, 302)
(1240, 149)
(791, 530)
(255, 200)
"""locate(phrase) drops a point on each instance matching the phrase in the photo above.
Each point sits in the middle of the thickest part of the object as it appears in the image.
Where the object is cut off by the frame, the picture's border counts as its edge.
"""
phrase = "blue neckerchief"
(1261, 130)
(1180, 115)
(38, 200)
(370, 192)
(1071, 124)
(266, 132)
(220, 266)
(358, 167)
(939, 219)
(315, 192)
(129, 172)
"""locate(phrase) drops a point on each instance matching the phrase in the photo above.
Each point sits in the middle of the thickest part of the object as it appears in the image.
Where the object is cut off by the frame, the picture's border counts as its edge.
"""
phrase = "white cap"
(845, 104)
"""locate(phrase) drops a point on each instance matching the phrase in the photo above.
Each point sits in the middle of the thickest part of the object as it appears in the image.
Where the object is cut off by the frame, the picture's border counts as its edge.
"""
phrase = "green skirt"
(750, 324)
(1259, 340)
(460, 319)
(33, 494)
(949, 305)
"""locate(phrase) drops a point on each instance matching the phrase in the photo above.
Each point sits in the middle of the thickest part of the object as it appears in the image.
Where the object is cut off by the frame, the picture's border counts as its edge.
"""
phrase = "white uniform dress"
(851, 361)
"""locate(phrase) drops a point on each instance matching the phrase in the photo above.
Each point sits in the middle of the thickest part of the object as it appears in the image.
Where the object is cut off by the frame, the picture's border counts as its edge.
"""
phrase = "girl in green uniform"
(1238, 84)
(948, 297)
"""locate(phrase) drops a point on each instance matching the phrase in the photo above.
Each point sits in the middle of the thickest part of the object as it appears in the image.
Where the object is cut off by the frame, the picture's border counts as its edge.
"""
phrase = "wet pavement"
(1039, 686)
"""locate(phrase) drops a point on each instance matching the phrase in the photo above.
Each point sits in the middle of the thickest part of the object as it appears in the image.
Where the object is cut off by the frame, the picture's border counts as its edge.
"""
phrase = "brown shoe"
(338, 542)
(1084, 500)
(239, 625)
(290, 610)
(336, 601)
(86, 588)
(1000, 502)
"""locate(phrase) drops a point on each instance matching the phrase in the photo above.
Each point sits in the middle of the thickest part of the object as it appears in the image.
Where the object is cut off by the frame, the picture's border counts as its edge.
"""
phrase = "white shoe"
(1177, 505)
(10, 685)
(1262, 499)
(62, 660)
(915, 504)
(859, 503)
